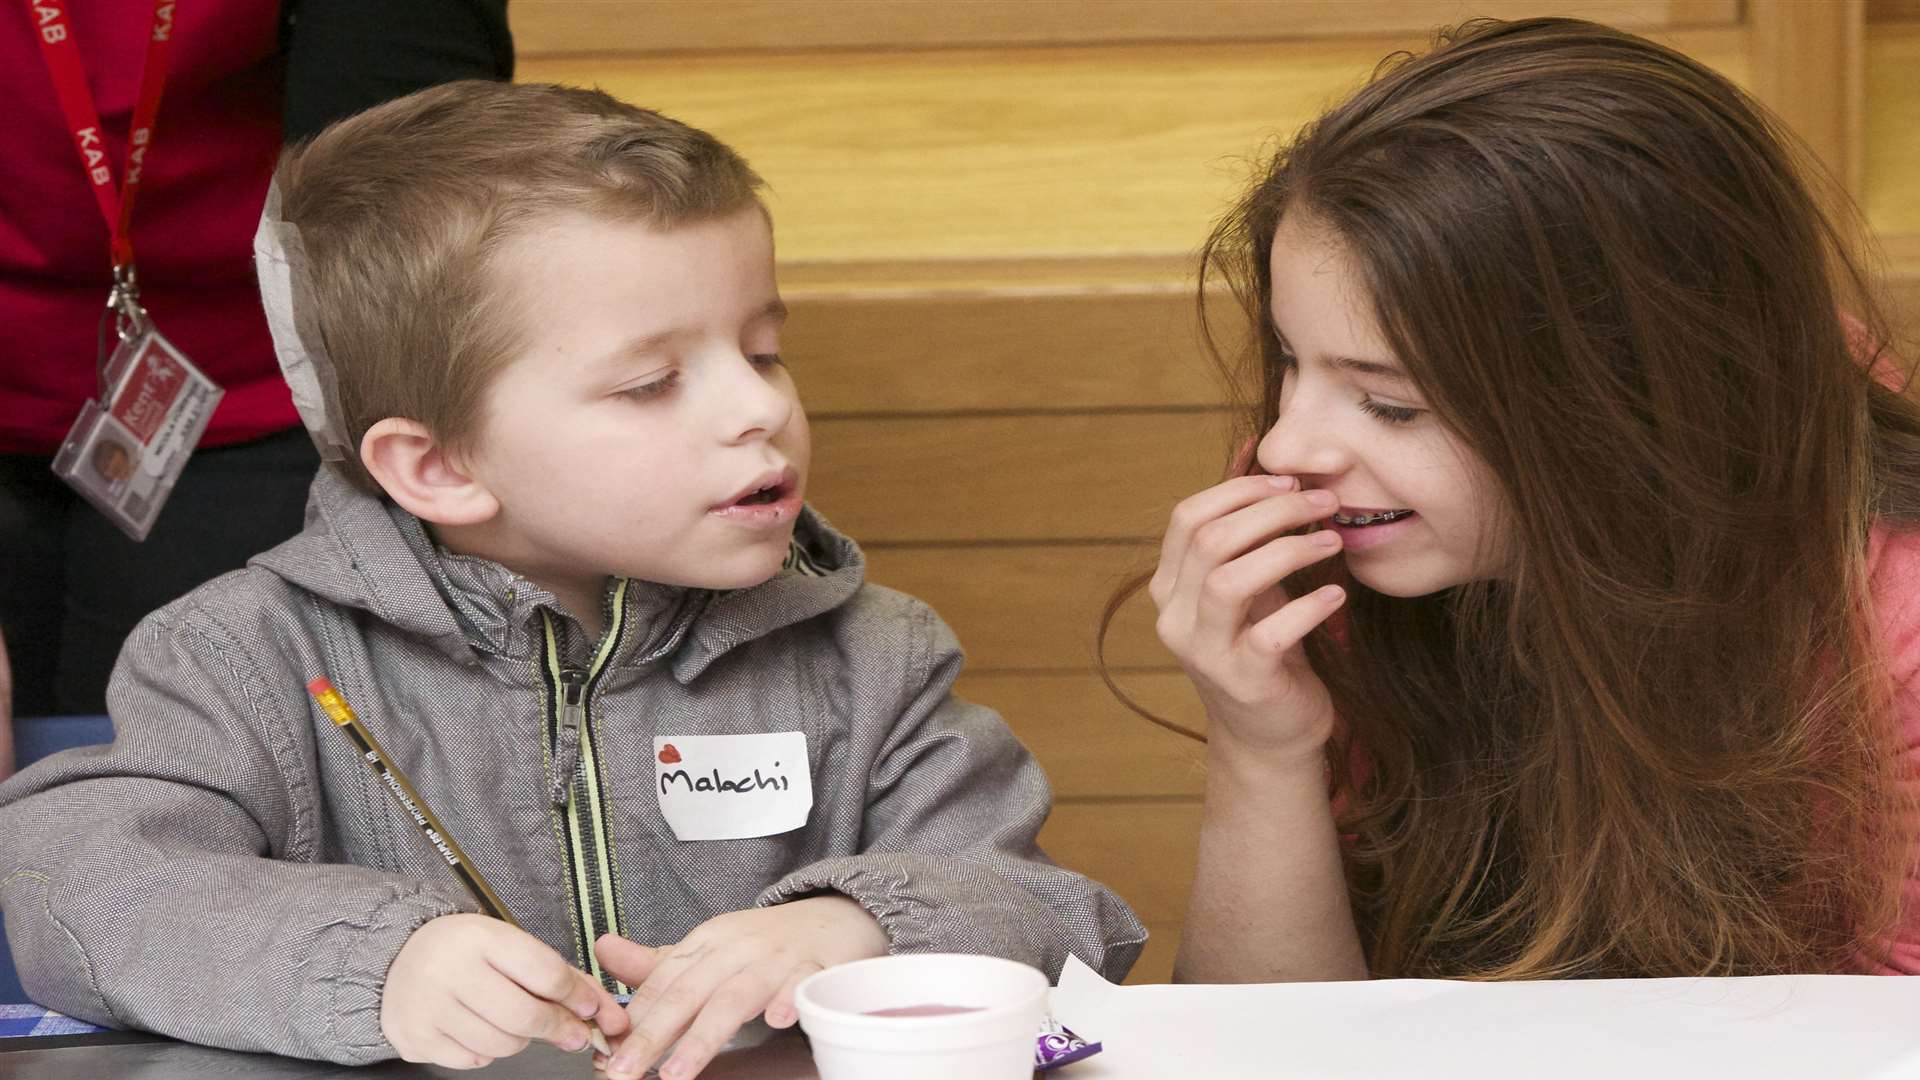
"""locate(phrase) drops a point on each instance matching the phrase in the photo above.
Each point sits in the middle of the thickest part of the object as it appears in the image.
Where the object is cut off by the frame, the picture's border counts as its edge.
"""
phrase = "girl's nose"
(1297, 446)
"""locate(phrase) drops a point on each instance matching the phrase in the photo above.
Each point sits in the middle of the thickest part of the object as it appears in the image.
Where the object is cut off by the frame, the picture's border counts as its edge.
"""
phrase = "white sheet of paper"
(730, 787)
(1827, 1026)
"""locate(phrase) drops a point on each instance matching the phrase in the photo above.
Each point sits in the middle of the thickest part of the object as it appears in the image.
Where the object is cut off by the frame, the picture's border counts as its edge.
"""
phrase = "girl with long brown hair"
(1564, 620)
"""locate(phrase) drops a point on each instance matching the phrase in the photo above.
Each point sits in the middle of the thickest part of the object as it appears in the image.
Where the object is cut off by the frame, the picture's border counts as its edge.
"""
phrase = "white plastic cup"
(993, 1042)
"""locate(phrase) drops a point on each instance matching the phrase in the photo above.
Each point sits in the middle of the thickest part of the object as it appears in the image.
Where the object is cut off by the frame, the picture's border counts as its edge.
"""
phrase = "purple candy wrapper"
(1058, 1046)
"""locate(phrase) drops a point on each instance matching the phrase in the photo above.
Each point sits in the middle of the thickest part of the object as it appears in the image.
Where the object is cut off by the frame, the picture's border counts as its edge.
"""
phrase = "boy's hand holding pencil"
(469, 989)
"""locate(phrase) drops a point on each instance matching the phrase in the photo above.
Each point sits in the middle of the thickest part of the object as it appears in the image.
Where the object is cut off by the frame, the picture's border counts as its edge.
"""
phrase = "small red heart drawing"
(669, 756)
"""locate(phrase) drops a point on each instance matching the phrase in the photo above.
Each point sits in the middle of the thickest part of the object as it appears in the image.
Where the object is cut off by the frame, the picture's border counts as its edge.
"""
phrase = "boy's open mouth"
(769, 488)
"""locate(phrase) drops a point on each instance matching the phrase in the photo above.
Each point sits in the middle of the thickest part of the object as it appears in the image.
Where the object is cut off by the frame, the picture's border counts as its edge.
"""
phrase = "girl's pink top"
(1894, 568)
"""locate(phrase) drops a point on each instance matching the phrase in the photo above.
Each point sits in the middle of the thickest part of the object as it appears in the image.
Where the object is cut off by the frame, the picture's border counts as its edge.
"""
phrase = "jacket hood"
(361, 551)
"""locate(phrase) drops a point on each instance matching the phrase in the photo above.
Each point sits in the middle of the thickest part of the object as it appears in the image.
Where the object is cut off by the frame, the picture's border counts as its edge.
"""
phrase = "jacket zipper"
(582, 816)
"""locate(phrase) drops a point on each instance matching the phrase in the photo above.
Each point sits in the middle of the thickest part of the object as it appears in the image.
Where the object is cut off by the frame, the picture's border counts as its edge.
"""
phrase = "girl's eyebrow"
(1369, 367)
(1378, 368)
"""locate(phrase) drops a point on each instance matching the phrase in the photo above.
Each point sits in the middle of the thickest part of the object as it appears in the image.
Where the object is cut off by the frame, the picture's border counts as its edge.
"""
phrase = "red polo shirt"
(214, 146)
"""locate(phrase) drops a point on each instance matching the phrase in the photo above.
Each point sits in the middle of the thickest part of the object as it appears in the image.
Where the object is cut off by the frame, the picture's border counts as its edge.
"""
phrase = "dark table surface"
(782, 1056)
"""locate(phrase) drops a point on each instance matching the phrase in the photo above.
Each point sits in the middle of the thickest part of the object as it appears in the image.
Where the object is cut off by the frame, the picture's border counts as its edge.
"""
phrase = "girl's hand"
(468, 989)
(1234, 630)
(729, 970)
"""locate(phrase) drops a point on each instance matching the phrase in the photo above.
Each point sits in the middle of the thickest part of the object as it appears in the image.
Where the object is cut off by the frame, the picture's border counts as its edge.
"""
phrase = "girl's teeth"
(1369, 519)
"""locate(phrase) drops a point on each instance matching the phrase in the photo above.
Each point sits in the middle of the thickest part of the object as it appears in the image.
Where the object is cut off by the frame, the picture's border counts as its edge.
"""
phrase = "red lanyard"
(55, 31)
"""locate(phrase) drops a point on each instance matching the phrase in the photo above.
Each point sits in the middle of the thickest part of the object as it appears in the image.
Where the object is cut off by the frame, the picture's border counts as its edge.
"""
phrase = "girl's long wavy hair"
(1663, 743)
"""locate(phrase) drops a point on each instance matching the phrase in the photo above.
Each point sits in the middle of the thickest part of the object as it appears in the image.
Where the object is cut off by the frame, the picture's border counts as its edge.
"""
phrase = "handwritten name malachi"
(715, 783)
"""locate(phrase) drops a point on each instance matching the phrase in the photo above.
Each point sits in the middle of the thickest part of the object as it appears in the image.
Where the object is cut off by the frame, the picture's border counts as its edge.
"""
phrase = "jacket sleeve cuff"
(881, 892)
(351, 995)
(958, 905)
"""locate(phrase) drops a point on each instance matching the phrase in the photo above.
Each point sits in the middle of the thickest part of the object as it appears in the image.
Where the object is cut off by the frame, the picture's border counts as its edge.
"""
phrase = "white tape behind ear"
(280, 260)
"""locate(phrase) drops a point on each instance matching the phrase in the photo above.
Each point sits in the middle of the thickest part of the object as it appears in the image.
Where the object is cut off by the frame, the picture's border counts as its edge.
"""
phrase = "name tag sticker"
(732, 787)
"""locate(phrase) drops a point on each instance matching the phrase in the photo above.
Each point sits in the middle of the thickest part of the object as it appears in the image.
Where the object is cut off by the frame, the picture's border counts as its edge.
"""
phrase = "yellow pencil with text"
(397, 784)
(402, 790)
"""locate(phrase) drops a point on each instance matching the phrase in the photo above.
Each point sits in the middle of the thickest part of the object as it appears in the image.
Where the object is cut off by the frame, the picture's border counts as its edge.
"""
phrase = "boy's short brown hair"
(403, 208)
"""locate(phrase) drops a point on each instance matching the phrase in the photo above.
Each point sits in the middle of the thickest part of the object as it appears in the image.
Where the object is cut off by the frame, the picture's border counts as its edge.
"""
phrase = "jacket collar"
(364, 552)
(824, 569)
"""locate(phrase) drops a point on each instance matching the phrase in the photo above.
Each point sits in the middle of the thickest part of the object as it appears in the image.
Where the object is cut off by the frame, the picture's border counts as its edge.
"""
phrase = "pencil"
(396, 783)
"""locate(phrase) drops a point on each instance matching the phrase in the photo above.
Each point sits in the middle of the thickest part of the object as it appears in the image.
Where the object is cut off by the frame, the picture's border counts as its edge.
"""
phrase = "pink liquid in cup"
(923, 1010)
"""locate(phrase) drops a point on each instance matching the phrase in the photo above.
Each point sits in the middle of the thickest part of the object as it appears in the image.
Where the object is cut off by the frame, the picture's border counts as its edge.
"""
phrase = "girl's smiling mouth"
(1363, 518)
(1362, 529)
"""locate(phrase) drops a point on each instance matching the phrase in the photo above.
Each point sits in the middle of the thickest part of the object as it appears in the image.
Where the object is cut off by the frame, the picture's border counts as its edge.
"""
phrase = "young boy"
(565, 574)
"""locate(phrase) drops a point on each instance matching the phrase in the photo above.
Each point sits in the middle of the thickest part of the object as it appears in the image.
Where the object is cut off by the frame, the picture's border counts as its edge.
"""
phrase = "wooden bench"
(986, 215)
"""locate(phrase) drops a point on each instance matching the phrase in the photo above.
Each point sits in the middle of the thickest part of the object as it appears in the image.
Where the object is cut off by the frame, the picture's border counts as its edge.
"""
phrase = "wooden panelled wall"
(986, 215)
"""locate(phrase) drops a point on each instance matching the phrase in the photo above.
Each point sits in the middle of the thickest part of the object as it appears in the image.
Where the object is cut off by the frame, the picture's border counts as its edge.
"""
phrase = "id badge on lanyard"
(133, 438)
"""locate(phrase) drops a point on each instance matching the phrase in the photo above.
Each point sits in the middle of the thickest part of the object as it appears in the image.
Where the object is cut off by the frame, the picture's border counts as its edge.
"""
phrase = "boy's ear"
(416, 471)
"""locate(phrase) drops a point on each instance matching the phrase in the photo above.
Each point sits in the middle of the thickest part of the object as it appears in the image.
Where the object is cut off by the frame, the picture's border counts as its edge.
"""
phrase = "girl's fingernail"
(1332, 594)
(1323, 498)
(1325, 538)
(1284, 483)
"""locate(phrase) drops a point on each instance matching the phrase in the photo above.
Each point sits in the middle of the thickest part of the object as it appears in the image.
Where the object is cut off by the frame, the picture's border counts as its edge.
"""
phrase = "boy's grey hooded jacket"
(229, 872)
